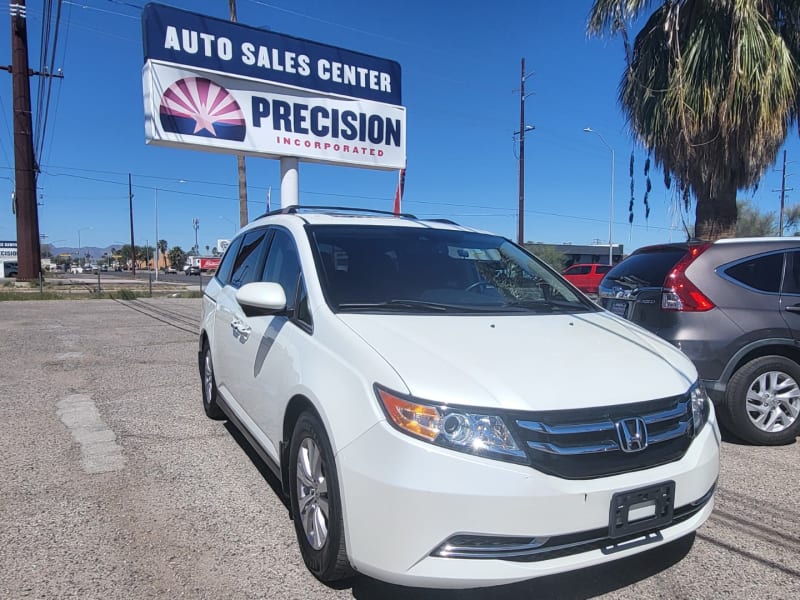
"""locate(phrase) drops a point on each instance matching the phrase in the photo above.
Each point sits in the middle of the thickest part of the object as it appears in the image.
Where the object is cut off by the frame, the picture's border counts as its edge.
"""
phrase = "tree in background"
(754, 223)
(548, 253)
(129, 257)
(710, 88)
(176, 256)
(162, 251)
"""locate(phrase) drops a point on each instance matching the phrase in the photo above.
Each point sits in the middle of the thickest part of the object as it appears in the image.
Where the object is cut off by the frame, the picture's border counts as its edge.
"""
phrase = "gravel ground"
(115, 485)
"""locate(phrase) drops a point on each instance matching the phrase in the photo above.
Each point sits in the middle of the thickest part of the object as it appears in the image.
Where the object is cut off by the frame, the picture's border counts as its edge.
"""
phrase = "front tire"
(315, 501)
(209, 384)
(762, 401)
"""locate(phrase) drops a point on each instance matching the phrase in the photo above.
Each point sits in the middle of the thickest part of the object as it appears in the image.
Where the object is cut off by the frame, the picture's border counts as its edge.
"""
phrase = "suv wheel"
(213, 411)
(763, 401)
(315, 502)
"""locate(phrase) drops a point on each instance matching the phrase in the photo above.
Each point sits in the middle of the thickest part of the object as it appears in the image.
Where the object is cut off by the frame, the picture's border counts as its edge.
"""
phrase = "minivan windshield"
(404, 269)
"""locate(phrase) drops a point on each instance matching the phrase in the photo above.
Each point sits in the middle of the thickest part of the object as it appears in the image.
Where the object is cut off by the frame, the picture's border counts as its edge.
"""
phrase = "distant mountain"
(93, 251)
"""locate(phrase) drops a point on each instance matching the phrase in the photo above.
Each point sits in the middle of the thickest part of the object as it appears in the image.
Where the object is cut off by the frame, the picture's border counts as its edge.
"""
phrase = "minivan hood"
(526, 362)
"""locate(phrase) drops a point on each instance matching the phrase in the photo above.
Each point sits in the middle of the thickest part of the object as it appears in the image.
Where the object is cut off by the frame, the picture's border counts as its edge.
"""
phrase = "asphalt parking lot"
(115, 485)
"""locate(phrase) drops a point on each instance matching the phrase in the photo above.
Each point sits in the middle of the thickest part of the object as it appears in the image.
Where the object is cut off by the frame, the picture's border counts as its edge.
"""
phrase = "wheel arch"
(296, 406)
(787, 348)
(201, 345)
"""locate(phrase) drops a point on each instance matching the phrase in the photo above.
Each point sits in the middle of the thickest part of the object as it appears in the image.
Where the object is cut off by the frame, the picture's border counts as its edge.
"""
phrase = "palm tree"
(710, 88)
(162, 251)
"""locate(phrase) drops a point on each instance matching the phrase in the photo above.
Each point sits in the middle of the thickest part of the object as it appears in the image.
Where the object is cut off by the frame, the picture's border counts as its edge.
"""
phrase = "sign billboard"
(8, 250)
(190, 108)
(221, 86)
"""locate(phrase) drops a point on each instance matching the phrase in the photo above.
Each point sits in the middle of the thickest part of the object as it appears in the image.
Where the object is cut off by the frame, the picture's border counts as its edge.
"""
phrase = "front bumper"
(403, 500)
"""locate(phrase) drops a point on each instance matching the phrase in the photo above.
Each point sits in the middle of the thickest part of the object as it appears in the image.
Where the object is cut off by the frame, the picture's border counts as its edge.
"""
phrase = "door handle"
(240, 328)
(795, 308)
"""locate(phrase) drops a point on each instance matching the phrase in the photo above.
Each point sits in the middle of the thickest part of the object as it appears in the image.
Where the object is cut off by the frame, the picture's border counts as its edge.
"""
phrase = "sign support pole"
(290, 182)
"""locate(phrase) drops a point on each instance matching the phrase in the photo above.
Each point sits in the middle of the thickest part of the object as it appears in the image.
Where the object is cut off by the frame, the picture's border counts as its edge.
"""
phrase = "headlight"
(457, 428)
(700, 406)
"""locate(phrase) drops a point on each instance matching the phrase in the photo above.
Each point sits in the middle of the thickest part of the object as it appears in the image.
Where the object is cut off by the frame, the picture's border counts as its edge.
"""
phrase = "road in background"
(115, 485)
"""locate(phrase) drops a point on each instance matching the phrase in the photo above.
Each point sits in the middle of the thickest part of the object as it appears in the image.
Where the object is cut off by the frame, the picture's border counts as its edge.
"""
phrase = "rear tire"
(209, 385)
(315, 501)
(762, 401)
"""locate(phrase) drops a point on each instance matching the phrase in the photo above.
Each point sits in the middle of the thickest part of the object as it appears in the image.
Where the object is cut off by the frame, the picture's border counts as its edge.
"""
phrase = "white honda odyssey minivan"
(442, 408)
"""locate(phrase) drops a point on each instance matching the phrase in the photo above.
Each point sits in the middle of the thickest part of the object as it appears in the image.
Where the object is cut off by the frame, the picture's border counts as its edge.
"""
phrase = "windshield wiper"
(395, 304)
(418, 305)
(548, 305)
(631, 280)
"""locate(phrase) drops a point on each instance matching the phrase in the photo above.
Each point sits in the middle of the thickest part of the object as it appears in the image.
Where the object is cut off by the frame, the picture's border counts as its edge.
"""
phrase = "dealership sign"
(215, 85)
(8, 249)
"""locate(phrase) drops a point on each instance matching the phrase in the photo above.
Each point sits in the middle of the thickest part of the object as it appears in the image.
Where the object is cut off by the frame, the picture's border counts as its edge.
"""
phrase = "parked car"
(412, 385)
(170, 270)
(586, 277)
(191, 270)
(75, 269)
(10, 268)
(734, 308)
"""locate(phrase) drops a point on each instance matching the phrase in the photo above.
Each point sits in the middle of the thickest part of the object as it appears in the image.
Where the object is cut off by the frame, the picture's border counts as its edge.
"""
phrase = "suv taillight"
(679, 292)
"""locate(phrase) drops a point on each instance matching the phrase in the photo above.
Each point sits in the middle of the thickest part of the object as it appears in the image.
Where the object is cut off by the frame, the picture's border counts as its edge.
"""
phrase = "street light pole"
(611, 204)
(155, 211)
(79, 243)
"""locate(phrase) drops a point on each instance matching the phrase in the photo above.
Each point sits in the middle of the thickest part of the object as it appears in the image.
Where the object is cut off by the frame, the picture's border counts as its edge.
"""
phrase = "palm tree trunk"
(715, 214)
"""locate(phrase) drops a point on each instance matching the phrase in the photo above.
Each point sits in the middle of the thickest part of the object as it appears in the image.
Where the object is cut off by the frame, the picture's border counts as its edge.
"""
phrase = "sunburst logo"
(198, 106)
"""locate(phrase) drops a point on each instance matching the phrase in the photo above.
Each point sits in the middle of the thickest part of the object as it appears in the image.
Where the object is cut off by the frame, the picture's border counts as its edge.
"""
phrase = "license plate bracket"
(619, 307)
(641, 509)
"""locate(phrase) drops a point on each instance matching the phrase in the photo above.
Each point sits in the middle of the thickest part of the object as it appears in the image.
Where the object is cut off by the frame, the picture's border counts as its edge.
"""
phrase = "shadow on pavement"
(586, 583)
(259, 464)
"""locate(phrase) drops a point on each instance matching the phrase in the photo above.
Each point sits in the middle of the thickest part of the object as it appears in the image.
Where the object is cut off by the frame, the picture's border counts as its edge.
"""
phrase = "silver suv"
(733, 306)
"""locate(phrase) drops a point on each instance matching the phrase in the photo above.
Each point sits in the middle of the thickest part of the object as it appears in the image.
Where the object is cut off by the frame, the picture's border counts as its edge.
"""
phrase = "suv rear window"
(647, 269)
(761, 273)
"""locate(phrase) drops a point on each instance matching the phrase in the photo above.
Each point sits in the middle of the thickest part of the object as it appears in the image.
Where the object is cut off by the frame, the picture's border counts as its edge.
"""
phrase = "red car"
(586, 277)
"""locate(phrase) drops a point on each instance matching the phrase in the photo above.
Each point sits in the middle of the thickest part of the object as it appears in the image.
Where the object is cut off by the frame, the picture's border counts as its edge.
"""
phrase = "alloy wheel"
(773, 401)
(208, 377)
(312, 493)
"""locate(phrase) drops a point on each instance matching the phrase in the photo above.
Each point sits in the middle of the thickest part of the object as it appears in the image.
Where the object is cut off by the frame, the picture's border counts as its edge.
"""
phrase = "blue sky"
(461, 70)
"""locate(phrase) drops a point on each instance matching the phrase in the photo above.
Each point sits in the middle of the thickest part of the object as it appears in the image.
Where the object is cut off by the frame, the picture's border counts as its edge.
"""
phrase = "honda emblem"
(632, 434)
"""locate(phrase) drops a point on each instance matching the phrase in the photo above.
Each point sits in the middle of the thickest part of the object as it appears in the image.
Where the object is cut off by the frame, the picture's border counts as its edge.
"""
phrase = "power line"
(102, 10)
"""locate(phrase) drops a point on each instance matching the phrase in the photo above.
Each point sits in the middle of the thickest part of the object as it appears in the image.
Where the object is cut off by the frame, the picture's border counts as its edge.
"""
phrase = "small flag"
(398, 195)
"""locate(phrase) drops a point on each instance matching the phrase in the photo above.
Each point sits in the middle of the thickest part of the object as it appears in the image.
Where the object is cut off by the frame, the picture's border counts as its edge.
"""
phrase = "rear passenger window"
(762, 273)
(580, 270)
(791, 281)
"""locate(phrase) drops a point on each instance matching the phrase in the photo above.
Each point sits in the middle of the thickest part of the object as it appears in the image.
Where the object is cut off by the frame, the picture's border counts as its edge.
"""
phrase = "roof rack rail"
(291, 210)
(446, 221)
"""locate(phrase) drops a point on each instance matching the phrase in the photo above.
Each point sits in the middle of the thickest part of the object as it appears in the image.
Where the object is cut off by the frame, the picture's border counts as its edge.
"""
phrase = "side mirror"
(265, 297)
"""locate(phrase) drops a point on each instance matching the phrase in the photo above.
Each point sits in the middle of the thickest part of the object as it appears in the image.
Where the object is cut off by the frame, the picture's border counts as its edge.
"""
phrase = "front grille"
(585, 443)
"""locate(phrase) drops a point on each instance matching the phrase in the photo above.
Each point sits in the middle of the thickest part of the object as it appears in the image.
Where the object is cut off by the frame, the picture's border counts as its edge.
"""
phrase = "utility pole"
(240, 157)
(28, 244)
(133, 246)
(521, 218)
(783, 195)
(523, 129)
